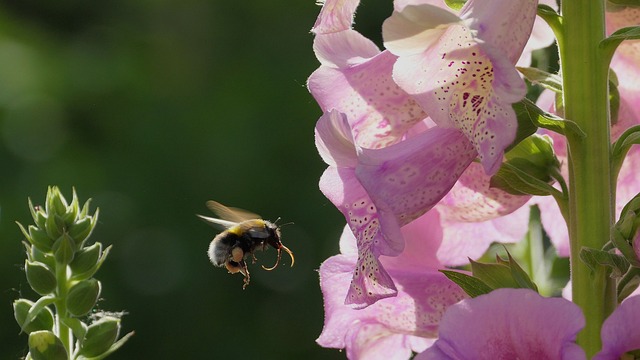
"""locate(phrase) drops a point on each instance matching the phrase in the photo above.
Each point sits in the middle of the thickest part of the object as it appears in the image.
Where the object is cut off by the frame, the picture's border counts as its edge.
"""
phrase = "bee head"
(277, 244)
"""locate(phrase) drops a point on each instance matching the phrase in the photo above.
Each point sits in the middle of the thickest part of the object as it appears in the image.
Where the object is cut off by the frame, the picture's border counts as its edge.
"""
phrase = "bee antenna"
(289, 223)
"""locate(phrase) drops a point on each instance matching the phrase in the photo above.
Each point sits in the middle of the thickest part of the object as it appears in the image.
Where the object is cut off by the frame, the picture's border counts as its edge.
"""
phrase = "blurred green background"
(151, 108)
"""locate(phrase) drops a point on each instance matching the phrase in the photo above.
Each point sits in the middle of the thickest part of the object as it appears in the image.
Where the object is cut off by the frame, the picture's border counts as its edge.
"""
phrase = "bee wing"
(231, 214)
(214, 221)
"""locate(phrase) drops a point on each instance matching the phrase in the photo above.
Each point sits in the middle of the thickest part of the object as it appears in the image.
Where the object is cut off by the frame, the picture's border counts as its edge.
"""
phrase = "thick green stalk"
(585, 77)
(63, 331)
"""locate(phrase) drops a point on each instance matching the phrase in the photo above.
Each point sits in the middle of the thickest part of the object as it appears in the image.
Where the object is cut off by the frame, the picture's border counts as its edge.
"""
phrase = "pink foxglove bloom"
(393, 327)
(461, 69)
(393, 174)
(509, 324)
(380, 190)
(620, 332)
(626, 64)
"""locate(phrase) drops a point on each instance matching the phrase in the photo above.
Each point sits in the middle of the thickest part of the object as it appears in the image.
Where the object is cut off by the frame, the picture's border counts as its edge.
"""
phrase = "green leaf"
(494, 275)
(536, 157)
(455, 4)
(85, 262)
(45, 345)
(117, 345)
(35, 310)
(83, 296)
(39, 277)
(551, 17)
(594, 258)
(621, 147)
(100, 336)
(64, 249)
(614, 97)
(547, 80)
(540, 118)
(472, 286)
(520, 276)
(628, 284)
(610, 44)
(43, 319)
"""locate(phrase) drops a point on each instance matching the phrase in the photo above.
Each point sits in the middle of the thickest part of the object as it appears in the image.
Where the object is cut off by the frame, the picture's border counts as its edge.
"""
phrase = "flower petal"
(336, 15)
(334, 140)
(370, 281)
(392, 324)
(407, 179)
(506, 25)
(378, 111)
(620, 332)
(415, 28)
(464, 240)
(509, 324)
(343, 49)
(464, 85)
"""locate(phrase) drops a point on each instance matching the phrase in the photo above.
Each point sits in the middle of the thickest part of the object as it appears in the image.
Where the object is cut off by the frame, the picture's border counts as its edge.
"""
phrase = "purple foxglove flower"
(393, 327)
(620, 331)
(626, 64)
(509, 324)
(461, 69)
(380, 190)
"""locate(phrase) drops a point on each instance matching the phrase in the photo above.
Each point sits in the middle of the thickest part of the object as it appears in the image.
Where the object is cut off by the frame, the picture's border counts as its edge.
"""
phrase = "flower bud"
(534, 159)
(83, 296)
(54, 226)
(100, 336)
(39, 216)
(85, 263)
(42, 321)
(81, 229)
(40, 278)
(45, 345)
(64, 249)
(56, 203)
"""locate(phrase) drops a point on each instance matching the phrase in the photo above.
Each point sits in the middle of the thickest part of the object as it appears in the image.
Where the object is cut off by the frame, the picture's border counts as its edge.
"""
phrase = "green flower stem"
(585, 76)
(63, 331)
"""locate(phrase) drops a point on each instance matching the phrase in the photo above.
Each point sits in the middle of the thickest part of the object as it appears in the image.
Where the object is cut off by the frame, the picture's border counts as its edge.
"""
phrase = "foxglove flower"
(509, 324)
(394, 327)
(461, 69)
(380, 190)
(620, 331)
(393, 179)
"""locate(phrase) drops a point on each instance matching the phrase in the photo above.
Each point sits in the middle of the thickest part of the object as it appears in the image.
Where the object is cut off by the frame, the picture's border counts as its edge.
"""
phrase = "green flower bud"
(54, 226)
(71, 211)
(35, 254)
(40, 239)
(85, 263)
(100, 336)
(83, 296)
(534, 159)
(45, 345)
(81, 229)
(56, 203)
(64, 249)
(40, 278)
(42, 321)
(39, 217)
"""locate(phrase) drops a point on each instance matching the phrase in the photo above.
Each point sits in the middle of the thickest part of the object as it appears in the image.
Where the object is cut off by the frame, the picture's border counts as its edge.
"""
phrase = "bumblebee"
(244, 233)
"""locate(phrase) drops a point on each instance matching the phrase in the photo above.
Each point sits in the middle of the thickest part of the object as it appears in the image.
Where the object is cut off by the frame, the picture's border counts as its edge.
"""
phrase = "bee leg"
(245, 271)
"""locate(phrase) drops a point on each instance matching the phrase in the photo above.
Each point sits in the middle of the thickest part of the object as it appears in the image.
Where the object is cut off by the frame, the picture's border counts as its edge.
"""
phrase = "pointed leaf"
(546, 120)
(472, 286)
(595, 258)
(547, 80)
